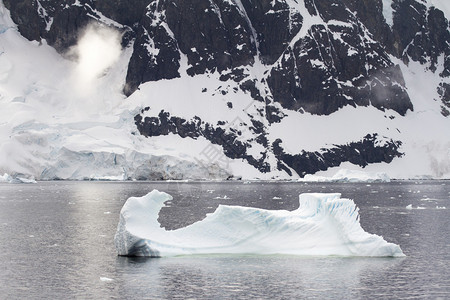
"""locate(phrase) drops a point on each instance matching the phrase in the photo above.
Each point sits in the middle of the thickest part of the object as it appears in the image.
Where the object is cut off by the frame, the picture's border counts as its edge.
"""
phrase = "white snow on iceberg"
(324, 224)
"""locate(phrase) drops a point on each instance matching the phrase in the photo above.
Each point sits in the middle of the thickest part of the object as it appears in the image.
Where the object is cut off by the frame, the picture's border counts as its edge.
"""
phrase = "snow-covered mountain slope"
(58, 122)
(274, 89)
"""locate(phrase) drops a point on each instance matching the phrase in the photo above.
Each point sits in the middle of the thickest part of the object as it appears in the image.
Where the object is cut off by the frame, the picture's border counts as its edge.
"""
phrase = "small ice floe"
(411, 207)
(440, 207)
(106, 212)
(224, 197)
(277, 198)
(106, 279)
(428, 199)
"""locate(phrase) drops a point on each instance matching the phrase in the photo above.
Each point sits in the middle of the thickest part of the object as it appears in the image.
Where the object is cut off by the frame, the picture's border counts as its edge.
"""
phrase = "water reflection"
(239, 277)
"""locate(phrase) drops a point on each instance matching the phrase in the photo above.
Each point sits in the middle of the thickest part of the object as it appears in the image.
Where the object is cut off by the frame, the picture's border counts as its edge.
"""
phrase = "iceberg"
(323, 225)
(18, 179)
(344, 175)
(5, 178)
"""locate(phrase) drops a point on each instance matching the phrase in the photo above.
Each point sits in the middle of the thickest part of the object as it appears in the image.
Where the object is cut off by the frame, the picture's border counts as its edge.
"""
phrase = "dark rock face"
(24, 13)
(321, 73)
(360, 153)
(54, 21)
(275, 24)
(156, 54)
(418, 33)
(126, 12)
(211, 34)
(337, 64)
(313, 56)
(423, 35)
(215, 41)
(370, 13)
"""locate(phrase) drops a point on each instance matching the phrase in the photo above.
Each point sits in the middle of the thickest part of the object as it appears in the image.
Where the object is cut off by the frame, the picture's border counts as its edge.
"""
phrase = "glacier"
(323, 225)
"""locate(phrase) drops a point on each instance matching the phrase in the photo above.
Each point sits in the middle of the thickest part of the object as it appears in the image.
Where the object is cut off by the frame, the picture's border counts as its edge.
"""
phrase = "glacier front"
(323, 225)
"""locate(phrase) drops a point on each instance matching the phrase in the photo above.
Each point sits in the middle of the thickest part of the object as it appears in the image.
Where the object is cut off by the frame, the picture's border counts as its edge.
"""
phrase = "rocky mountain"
(250, 79)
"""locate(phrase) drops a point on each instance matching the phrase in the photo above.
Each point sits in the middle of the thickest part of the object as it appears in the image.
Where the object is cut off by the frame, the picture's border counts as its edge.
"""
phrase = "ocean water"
(56, 242)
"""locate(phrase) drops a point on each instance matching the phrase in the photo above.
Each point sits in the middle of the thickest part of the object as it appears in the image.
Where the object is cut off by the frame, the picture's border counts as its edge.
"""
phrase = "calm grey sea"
(56, 242)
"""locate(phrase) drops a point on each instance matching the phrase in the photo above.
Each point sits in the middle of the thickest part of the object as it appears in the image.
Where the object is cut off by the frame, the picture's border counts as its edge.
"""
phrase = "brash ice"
(324, 225)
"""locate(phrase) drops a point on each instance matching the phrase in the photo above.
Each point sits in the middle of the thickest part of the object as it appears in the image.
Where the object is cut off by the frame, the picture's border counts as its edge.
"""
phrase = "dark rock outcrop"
(337, 63)
(362, 153)
(418, 33)
(54, 21)
(156, 54)
(275, 24)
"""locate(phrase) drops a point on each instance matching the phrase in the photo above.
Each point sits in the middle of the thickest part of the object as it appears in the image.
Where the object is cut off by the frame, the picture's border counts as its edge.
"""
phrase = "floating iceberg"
(17, 179)
(344, 175)
(5, 178)
(324, 224)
